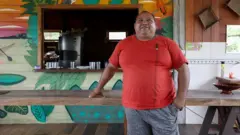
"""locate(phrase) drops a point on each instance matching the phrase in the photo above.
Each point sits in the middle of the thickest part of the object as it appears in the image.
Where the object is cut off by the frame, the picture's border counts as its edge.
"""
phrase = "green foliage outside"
(233, 39)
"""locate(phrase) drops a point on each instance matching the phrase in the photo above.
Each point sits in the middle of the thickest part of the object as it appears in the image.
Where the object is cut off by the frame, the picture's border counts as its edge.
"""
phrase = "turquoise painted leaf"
(116, 1)
(93, 85)
(47, 109)
(87, 2)
(32, 32)
(3, 114)
(38, 113)
(23, 110)
(11, 79)
(117, 85)
(134, 1)
(75, 87)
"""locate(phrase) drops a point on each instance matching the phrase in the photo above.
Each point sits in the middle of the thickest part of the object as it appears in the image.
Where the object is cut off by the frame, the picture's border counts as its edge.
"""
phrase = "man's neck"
(145, 38)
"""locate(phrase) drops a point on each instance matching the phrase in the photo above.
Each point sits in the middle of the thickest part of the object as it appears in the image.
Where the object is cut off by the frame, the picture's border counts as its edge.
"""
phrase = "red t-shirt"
(146, 65)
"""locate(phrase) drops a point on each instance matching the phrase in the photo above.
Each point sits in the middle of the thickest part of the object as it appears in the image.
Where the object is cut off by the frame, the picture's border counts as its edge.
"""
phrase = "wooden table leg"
(227, 123)
(207, 122)
(125, 125)
(227, 127)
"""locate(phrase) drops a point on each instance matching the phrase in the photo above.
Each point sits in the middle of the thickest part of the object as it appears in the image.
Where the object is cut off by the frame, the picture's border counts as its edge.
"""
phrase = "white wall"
(203, 75)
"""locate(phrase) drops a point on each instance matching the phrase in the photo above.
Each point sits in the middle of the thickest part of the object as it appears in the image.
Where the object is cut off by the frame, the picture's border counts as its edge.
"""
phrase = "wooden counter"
(64, 97)
(212, 98)
(58, 97)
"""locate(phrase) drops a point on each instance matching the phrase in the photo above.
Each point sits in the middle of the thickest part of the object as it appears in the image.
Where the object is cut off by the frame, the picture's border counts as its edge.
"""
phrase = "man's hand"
(96, 93)
(179, 102)
(183, 84)
(108, 73)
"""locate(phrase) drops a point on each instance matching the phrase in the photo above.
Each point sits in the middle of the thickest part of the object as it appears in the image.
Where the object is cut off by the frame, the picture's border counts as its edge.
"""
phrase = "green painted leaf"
(38, 113)
(32, 32)
(117, 85)
(75, 87)
(23, 110)
(30, 6)
(93, 86)
(167, 26)
(134, 1)
(48, 109)
(71, 79)
(48, 78)
(88, 2)
(11, 79)
(32, 57)
(116, 1)
(3, 114)
(61, 81)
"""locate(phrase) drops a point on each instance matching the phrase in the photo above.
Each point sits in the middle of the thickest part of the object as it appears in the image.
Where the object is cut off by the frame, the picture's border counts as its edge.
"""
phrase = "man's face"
(145, 25)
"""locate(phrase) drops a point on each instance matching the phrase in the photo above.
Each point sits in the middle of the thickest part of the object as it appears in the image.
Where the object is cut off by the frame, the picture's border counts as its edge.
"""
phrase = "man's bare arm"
(107, 74)
(183, 81)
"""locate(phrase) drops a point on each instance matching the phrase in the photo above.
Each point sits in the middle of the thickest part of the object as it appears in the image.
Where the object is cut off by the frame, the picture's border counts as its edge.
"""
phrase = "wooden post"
(125, 125)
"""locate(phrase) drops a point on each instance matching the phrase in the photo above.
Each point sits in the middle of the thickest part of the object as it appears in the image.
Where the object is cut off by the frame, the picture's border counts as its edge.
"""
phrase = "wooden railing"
(63, 97)
(211, 98)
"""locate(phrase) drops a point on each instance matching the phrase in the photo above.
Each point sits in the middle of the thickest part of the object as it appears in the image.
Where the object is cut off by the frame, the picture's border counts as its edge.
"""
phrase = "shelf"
(71, 70)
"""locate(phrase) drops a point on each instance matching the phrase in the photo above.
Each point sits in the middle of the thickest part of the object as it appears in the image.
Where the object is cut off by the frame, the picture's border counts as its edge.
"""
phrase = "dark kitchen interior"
(94, 45)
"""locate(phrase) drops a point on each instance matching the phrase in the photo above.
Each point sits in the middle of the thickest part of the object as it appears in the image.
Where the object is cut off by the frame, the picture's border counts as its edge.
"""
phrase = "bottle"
(222, 68)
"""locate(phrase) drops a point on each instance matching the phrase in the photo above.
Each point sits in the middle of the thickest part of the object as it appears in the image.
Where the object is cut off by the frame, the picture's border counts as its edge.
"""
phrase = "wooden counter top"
(64, 97)
(212, 98)
(58, 97)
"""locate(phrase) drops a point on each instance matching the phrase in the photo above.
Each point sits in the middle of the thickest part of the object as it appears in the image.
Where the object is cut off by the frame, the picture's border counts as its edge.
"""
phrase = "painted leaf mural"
(30, 5)
(96, 114)
(3, 114)
(23, 110)
(117, 85)
(38, 113)
(75, 87)
(134, 1)
(60, 81)
(93, 85)
(11, 79)
(32, 57)
(48, 109)
(41, 112)
(57, 81)
(116, 1)
(32, 32)
(167, 27)
(30, 9)
(89, 2)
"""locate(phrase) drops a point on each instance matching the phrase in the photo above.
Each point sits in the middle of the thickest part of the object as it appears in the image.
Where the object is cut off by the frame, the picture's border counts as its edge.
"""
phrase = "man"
(149, 97)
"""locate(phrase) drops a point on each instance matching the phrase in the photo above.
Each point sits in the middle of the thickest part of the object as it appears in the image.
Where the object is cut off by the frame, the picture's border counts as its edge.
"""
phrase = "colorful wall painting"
(18, 40)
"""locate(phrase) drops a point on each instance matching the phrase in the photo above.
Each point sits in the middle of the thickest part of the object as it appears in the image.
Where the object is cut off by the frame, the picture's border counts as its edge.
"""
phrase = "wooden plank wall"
(217, 33)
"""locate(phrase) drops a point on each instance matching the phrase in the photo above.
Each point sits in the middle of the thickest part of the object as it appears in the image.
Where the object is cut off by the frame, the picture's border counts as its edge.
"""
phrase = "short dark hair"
(145, 11)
